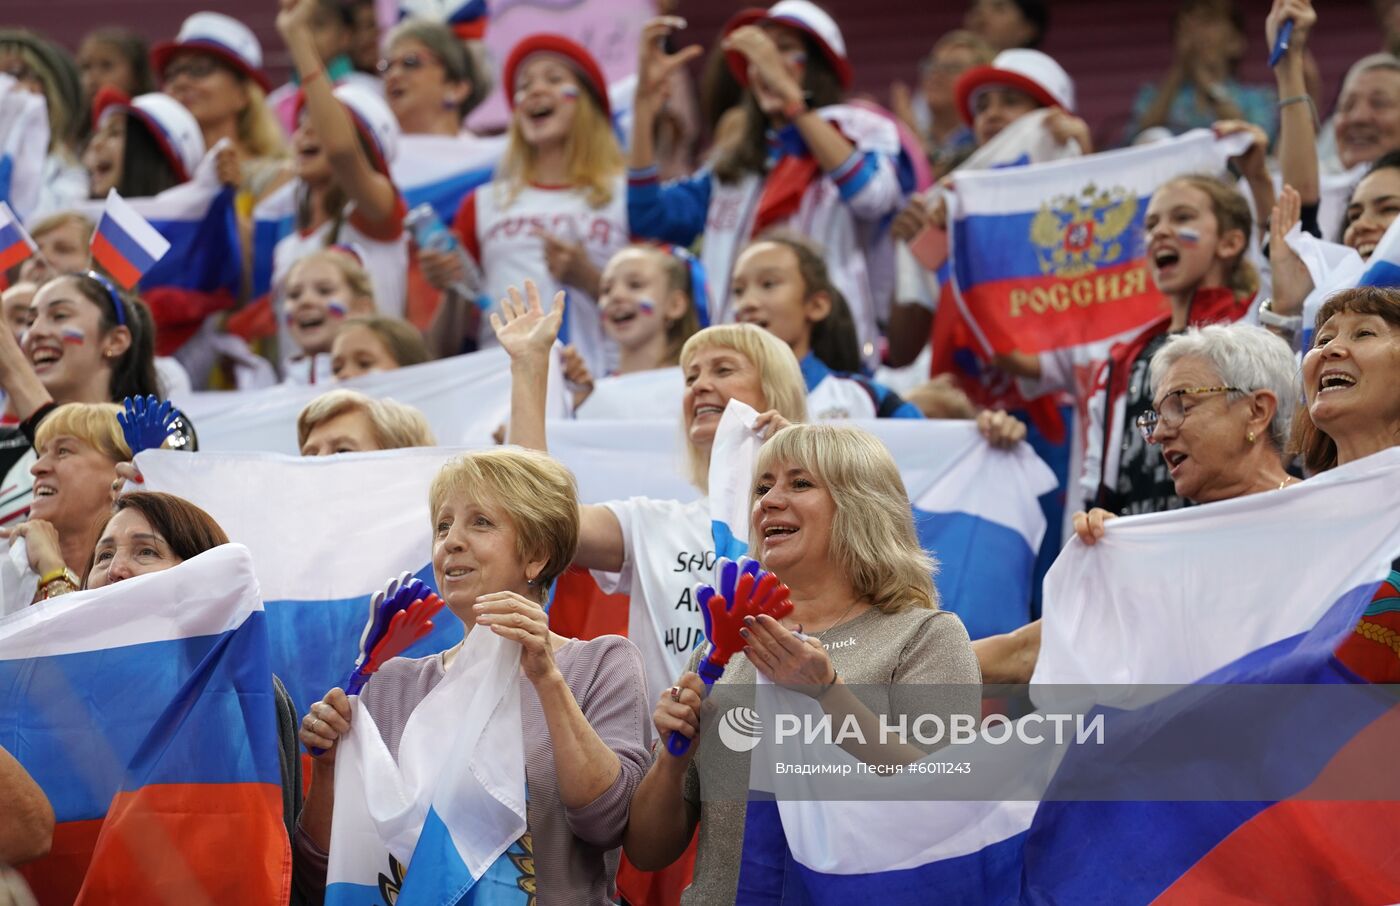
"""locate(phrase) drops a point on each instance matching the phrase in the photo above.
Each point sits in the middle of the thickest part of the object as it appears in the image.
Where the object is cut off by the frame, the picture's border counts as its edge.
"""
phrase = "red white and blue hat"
(174, 128)
(221, 36)
(574, 53)
(372, 117)
(1025, 70)
(806, 17)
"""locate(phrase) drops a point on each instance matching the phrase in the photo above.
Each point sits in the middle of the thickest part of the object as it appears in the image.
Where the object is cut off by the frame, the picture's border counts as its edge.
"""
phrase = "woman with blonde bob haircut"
(830, 518)
(79, 446)
(347, 421)
(655, 551)
(505, 525)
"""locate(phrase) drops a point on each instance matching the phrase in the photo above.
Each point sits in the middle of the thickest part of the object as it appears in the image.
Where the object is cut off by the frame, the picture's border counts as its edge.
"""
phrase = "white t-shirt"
(657, 393)
(502, 234)
(667, 549)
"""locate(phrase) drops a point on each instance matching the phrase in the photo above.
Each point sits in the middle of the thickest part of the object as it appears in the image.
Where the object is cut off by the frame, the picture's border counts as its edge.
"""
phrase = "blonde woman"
(214, 68)
(656, 550)
(347, 421)
(79, 446)
(557, 209)
(831, 518)
(505, 525)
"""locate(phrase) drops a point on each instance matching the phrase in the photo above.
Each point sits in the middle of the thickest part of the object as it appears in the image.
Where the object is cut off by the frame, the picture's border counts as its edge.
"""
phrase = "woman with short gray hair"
(1222, 399)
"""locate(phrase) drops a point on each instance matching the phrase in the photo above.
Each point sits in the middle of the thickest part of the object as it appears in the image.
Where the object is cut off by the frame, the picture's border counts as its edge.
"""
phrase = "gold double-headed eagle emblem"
(1074, 234)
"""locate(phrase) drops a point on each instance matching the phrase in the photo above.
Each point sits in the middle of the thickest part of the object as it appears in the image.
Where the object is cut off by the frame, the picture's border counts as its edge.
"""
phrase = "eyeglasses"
(195, 67)
(1171, 411)
(411, 62)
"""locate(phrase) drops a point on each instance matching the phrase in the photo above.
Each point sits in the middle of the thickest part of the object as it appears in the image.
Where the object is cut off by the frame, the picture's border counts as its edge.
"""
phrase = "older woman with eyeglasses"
(1222, 400)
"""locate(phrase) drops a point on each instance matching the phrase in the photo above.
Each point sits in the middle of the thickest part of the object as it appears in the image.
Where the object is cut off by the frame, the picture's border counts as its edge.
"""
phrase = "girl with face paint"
(86, 342)
(556, 210)
(322, 290)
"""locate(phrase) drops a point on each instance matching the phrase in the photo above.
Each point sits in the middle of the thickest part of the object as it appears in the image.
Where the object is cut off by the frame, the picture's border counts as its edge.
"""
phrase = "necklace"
(1285, 483)
(839, 620)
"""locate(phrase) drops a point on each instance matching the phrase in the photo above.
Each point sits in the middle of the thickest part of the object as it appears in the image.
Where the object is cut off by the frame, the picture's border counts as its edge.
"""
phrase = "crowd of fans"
(777, 264)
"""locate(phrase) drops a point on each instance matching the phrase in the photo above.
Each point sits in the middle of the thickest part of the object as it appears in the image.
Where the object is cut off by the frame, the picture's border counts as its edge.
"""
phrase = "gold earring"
(1250, 437)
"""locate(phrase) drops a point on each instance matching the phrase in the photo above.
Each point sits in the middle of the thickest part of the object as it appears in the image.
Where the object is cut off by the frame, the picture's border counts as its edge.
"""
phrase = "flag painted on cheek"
(73, 336)
(145, 711)
(1053, 255)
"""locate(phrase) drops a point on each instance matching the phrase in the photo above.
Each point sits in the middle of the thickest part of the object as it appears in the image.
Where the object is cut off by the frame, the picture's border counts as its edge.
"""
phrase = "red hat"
(219, 36)
(576, 54)
(803, 16)
(1025, 70)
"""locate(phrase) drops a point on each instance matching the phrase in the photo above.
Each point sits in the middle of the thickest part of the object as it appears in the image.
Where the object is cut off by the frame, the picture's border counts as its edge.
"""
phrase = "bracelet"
(1270, 318)
(1301, 99)
(827, 688)
(312, 76)
(795, 108)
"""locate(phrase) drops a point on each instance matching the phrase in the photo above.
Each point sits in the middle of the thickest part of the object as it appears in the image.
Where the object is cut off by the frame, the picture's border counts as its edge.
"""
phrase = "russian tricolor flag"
(15, 242)
(124, 243)
(360, 540)
(1052, 255)
(1161, 599)
(145, 711)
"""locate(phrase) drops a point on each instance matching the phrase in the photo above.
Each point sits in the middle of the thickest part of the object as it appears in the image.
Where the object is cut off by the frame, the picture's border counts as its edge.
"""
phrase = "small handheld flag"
(745, 590)
(15, 242)
(399, 615)
(124, 243)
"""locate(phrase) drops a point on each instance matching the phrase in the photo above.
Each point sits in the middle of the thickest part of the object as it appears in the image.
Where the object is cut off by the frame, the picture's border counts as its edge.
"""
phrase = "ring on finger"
(675, 693)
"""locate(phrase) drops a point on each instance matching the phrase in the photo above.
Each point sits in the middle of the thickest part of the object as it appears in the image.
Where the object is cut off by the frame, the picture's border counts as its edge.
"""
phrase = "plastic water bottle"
(429, 232)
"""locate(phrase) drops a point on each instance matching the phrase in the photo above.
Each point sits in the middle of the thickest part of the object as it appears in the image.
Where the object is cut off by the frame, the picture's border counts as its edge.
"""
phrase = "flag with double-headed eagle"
(1054, 255)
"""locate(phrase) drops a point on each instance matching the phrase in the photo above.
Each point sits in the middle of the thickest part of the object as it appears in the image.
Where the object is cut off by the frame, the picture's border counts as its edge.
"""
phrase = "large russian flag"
(1204, 597)
(145, 711)
(1053, 254)
(344, 526)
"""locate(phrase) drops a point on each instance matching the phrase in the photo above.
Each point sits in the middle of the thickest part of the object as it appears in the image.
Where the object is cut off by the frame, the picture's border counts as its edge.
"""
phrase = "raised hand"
(293, 15)
(654, 65)
(146, 422)
(1291, 280)
(523, 326)
(1303, 16)
(773, 86)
